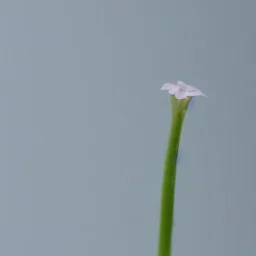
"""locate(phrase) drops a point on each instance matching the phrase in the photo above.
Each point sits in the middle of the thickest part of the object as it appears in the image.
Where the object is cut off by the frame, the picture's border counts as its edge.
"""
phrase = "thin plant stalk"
(179, 108)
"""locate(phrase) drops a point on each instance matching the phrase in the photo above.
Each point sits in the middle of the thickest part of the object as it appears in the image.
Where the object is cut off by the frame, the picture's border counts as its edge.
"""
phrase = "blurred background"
(84, 126)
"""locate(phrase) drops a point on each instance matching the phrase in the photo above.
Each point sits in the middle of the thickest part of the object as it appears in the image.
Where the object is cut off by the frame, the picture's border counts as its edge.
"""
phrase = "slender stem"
(179, 108)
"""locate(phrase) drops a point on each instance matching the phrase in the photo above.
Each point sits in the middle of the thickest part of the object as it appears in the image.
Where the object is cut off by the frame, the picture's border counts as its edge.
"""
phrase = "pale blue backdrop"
(84, 126)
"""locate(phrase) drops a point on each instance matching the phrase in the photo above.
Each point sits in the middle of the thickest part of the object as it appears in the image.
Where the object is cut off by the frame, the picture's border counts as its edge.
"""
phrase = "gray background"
(84, 126)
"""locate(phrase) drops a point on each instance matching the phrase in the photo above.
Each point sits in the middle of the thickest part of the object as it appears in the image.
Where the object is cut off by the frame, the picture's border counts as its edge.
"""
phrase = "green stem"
(179, 108)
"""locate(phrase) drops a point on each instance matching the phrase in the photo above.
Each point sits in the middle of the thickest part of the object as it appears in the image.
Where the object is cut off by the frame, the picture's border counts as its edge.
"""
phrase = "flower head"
(182, 90)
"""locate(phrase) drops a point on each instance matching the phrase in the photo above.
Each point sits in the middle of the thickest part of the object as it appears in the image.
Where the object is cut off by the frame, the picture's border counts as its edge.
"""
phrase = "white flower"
(182, 90)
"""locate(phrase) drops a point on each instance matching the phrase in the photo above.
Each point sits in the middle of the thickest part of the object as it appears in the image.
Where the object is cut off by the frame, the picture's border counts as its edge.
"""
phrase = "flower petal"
(181, 84)
(167, 86)
(181, 94)
(182, 90)
(195, 92)
(172, 88)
